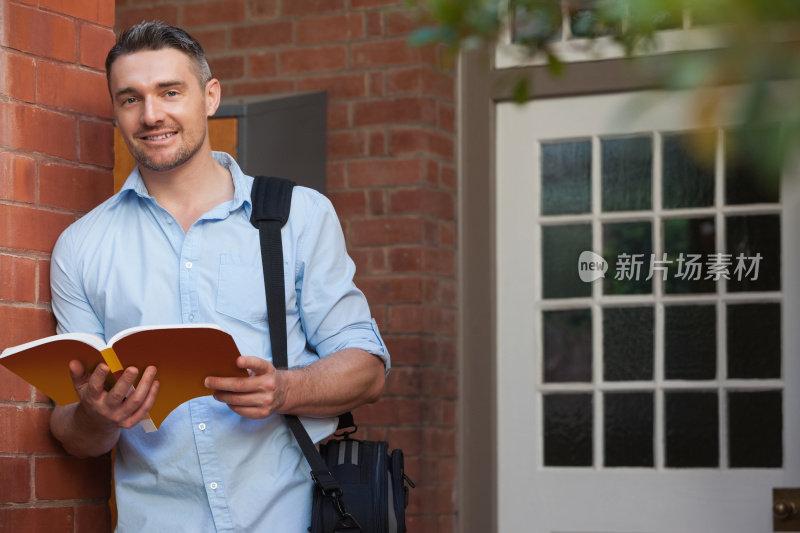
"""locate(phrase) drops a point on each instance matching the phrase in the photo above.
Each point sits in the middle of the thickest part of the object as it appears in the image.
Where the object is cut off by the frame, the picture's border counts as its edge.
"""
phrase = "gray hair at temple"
(157, 35)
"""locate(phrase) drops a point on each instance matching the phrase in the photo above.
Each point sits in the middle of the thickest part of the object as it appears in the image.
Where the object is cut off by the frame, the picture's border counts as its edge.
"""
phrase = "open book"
(183, 354)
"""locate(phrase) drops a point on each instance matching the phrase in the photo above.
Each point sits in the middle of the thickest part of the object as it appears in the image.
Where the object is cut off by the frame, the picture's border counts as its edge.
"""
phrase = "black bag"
(360, 486)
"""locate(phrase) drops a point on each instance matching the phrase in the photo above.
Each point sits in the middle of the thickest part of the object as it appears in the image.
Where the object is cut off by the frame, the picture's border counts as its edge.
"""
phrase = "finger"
(259, 398)
(76, 370)
(255, 365)
(142, 410)
(95, 386)
(122, 387)
(138, 395)
(251, 412)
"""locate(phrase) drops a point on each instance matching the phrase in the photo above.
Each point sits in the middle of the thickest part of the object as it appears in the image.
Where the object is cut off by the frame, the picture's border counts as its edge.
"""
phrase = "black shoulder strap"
(271, 199)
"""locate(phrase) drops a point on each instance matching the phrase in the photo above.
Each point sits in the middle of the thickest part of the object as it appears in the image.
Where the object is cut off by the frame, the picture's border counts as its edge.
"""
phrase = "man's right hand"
(91, 427)
(119, 407)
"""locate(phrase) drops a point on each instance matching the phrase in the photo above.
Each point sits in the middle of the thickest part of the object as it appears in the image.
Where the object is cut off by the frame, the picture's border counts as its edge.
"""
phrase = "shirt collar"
(242, 184)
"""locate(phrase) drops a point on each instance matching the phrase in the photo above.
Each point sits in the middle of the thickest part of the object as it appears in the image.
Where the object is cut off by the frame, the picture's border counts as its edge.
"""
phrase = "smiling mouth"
(158, 137)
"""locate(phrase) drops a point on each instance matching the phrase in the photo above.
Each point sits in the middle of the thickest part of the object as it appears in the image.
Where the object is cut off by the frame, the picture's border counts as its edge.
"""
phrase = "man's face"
(161, 107)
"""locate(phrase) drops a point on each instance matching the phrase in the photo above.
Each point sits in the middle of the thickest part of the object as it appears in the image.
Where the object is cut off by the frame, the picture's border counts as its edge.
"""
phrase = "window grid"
(598, 301)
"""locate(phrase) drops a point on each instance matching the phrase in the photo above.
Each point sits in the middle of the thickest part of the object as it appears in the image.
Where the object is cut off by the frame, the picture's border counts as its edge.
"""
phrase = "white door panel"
(536, 497)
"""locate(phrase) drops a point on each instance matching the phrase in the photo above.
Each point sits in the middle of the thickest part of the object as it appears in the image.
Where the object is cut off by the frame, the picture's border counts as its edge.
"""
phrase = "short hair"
(157, 35)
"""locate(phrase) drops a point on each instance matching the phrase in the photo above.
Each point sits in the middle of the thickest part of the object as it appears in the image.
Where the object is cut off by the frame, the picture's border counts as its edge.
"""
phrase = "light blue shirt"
(129, 263)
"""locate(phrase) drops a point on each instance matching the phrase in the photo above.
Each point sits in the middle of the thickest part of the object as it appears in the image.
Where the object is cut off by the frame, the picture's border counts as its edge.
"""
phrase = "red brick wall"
(56, 152)
(391, 177)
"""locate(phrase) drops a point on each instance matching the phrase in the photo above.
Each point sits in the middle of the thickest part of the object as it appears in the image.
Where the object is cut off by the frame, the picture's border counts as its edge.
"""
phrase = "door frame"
(480, 86)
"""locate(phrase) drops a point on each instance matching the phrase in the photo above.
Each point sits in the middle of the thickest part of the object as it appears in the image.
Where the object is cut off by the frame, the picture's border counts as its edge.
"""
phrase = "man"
(175, 245)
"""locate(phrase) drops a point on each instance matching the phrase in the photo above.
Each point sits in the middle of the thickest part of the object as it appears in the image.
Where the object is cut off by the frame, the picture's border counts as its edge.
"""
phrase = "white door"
(628, 404)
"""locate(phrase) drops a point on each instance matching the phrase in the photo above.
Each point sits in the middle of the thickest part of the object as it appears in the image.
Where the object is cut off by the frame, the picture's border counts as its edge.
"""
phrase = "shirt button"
(201, 427)
(191, 318)
(213, 485)
(188, 264)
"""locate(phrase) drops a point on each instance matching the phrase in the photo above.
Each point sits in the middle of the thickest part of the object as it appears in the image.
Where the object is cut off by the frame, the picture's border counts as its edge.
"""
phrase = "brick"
(339, 86)
(377, 143)
(405, 381)
(18, 181)
(446, 117)
(346, 144)
(386, 230)
(50, 519)
(17, 279)
(400, 22)
(15, 474)
(386, 171)
(447, 234)
(405, 259)
(391, 290)
(214, 12)
(128, 17)
(75, 188)
(405, 350)
(227, 68)
(26, 228)
(423, 201)
(96, 143)
(422, 81)
(377, 202)
(437, 261)
(91, 518)
(12, 387)
(386, 53)
(67, 87)
(307, 60)
(262, 64)
(95, 41)
(38, 32)
(357, 4)
(27, 429)
(375, 23)
(263, 87)
(337, 175)
(347, 203)
(44, 280)
(409, 439)
(420, 141)
(259, 9)
(392, 411)
(299, 8)
(331, 29)
(377, 84)
(439, 321)
(262, 35)
(31, 129)
(435, 499)
(394, 111)
(99, 11)
(338, 115)
(212, 40)
(60, 478)
(449, 178)
(19, 76)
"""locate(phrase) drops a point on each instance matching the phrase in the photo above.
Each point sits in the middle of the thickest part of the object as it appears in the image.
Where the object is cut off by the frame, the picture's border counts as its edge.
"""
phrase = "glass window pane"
(755, 420)
(754, 341)
(627, 246)
(692, 429)
(688, 243)
(568, 345)
(690, 342)
(688, 178)
(627, 166)
(628, 428)
(747, 182)
(754, 242)
(566, 177)
(568, 430)
(561, 248)
(628, 343)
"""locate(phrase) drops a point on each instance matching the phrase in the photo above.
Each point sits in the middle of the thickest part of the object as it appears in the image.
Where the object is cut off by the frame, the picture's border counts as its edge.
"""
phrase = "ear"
(213, 95)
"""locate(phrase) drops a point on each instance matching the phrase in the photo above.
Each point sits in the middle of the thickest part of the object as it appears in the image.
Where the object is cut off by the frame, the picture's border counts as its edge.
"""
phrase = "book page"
(87, 338)
(130, 331)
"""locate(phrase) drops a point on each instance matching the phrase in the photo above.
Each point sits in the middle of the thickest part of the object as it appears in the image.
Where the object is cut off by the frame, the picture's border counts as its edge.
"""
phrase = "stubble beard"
(185, 152)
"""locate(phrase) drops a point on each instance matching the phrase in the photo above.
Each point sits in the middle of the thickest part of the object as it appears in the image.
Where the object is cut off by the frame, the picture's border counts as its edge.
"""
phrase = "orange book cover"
(183, 354)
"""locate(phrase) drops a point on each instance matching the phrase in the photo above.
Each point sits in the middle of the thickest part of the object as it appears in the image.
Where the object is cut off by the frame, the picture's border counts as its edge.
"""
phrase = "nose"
(152, 114)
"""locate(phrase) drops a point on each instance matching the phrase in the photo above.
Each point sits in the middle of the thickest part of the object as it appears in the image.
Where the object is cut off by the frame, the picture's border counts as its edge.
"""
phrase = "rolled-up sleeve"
(334, 312)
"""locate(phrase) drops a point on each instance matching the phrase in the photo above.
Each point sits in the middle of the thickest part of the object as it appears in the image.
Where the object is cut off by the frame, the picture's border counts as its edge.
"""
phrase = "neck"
(192, 189)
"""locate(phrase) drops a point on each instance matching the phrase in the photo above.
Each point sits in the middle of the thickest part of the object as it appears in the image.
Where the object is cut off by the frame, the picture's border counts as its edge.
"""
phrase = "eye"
(129, 100)
(172, 93)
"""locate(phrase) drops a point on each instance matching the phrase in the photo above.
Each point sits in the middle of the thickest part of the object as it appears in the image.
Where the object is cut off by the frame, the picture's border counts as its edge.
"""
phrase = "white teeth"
(159, 137)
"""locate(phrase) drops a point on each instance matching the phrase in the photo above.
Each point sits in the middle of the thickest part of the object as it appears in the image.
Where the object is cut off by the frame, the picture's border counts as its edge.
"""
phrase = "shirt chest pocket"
(240, 288)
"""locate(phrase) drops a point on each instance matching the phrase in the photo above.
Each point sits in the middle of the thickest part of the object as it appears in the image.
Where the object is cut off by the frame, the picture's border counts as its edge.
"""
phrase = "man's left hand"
(259, 395)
